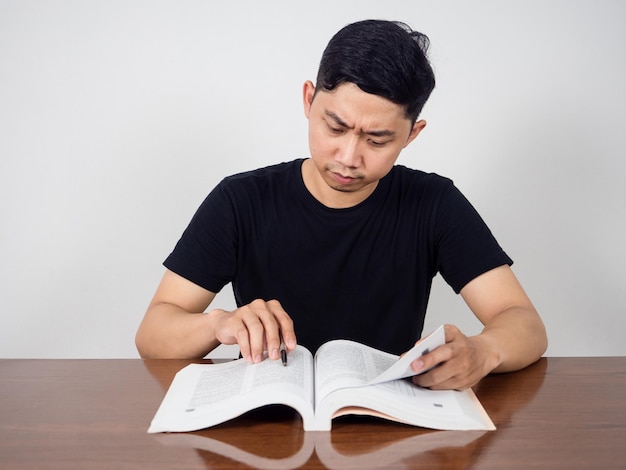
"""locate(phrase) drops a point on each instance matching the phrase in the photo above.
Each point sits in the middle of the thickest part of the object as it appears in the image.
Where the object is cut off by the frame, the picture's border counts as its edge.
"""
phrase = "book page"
(355, 379)
(343, 364)
(214, 383)
(401, 400)
(203, 395)
(402, 367)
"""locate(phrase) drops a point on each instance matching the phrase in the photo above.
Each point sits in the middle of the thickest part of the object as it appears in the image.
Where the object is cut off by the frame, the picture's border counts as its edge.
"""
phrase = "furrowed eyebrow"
(337, 119)
(381, 133)
(374, 133)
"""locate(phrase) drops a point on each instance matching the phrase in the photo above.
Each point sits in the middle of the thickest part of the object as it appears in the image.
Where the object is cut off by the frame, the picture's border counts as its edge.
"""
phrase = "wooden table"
(566, 413)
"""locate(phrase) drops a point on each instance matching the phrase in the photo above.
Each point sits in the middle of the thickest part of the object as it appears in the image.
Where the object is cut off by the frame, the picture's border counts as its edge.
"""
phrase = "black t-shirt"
(362, 273)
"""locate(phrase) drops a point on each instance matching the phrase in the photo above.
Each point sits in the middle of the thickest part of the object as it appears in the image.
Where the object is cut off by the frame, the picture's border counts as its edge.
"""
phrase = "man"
(345, 244)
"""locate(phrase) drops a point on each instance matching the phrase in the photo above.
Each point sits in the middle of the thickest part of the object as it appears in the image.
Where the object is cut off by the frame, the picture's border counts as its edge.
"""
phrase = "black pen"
(283, 350)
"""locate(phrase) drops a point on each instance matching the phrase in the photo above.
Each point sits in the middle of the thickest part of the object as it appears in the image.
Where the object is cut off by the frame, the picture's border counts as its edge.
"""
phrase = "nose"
(348, 153)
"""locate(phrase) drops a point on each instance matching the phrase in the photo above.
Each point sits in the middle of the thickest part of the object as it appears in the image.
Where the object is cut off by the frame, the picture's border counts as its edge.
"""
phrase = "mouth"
(342, 179)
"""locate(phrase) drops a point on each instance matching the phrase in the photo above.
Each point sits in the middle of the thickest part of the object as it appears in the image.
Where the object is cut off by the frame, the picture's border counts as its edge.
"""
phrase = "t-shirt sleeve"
(466, 248)
(206, 252)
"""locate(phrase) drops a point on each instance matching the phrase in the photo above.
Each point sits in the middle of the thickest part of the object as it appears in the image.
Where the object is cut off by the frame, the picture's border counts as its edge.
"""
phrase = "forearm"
(168, 331)
(516, 336)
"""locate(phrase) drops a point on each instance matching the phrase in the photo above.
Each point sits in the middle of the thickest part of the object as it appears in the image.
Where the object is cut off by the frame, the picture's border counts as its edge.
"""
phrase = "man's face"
(355, 139)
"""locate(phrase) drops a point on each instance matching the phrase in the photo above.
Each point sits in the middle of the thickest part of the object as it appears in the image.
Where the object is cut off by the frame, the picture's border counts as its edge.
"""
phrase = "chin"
(343, 189)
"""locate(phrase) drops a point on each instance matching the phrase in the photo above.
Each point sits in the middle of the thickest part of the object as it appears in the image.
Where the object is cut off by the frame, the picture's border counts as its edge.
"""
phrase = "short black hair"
(385, 58)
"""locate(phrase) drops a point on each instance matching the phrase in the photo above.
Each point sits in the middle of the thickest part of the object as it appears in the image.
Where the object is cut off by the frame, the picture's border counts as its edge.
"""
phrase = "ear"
(417, 128)
(308, 91)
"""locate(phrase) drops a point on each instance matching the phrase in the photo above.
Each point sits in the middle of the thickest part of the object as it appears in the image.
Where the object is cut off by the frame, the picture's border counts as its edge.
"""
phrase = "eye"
(335, 130)
(377, 143)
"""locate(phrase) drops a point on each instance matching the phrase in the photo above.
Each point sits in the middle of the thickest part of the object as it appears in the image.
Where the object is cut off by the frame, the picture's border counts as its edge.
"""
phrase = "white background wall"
(118, 117)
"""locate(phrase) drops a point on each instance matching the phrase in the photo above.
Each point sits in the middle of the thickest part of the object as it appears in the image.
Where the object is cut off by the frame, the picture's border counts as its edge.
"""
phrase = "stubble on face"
(343, 178)
(354, 139)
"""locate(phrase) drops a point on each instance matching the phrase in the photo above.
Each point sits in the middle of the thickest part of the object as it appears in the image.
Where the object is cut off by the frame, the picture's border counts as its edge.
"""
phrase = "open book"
(343, 378)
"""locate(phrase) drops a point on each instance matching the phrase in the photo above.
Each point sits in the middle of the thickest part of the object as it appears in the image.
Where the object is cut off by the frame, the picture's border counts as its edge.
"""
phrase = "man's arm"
(513, 336)
(175, 326)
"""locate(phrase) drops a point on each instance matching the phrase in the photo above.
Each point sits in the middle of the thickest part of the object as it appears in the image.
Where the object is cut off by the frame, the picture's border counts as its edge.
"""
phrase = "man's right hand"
(175, 325)
(256, 328)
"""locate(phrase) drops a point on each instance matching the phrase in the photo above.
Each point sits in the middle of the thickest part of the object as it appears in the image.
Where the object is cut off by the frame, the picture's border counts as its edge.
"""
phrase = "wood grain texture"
(558, 413)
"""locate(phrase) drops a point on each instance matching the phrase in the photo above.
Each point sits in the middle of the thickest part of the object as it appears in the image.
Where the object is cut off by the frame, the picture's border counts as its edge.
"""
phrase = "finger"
(453, 383)
(434, 378)
(243, 340)
(285, 324)
(255, 338)
(259, 323)
(451, 333)
(271, 325)
(447, 378)
(278, 329)
(431, 359)
(453, 337)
